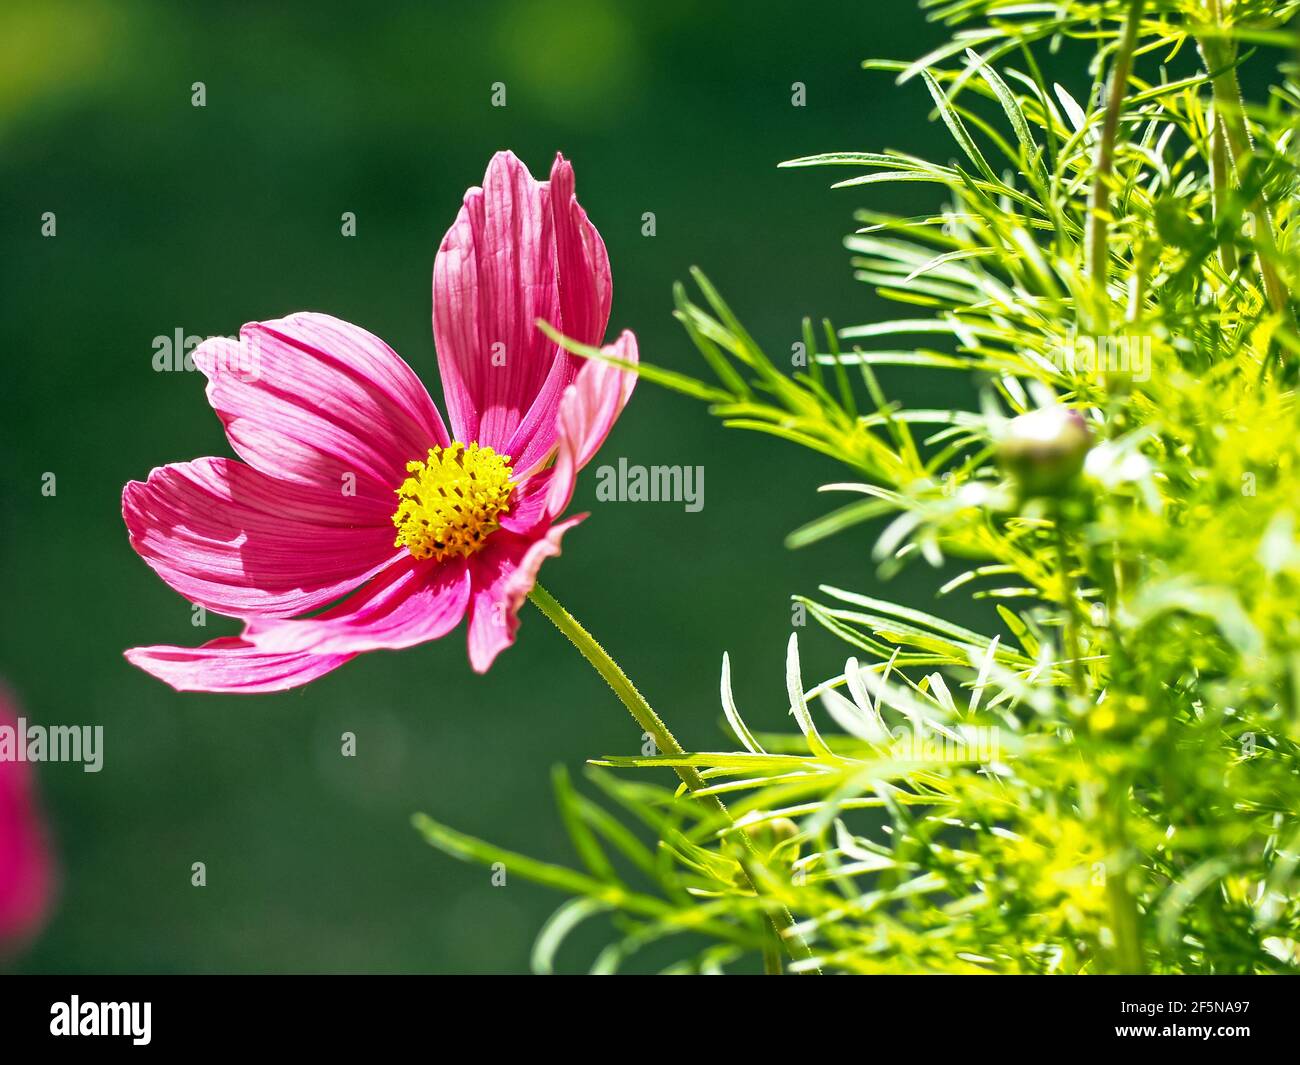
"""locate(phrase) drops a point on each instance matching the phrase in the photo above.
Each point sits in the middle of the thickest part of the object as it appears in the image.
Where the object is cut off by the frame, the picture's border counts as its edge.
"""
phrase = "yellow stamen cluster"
(450, 503)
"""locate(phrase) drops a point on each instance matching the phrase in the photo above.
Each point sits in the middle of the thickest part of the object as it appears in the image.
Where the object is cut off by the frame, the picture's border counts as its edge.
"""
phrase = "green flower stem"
(1098, 252)
(1125, 920)
(1073, 643)
(772, 955)
(666, 743)
(651, 723)
(1230, 121)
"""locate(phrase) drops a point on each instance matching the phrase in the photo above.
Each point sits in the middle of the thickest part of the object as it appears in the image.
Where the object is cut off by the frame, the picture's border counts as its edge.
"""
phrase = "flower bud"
(1044, 450)
(767, 836)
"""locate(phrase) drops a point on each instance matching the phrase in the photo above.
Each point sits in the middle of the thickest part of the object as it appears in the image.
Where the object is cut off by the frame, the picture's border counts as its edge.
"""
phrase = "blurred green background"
(199, 219)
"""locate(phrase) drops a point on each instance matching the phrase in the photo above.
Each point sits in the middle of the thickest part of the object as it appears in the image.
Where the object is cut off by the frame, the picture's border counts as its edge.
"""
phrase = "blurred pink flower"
(26, 866)
(342, 445)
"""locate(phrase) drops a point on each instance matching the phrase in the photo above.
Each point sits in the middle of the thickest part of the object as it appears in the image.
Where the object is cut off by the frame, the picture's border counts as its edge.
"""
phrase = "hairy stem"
(651, 723)
(666, 743)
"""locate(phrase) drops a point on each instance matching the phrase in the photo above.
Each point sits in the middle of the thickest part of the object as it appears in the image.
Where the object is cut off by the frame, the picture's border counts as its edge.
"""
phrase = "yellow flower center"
(450, 503)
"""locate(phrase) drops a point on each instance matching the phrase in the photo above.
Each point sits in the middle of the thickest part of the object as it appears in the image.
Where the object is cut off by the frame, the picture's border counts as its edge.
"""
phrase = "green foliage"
(1105, 780)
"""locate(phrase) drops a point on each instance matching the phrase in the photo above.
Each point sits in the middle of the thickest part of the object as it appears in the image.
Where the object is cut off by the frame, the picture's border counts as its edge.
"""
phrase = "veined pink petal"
(588, 410)
(494, 274)
(518, 251)
(503, 574)
(586, 291)
(313, 399)
(26, 866)
(586, 284)
(231, 664)
(238, 542)
(410, 603)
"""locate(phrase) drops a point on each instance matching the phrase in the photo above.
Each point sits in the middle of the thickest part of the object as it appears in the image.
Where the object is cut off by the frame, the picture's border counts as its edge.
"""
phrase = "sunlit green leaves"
(1098, 767)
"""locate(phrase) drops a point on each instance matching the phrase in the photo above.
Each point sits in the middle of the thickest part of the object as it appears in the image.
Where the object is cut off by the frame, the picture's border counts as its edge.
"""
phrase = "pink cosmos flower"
(26, 867)
(351, 485)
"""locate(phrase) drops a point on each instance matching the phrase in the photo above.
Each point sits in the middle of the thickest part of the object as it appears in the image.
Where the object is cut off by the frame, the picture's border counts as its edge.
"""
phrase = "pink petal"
(528, 507)
(586, 291)
(313, 399)
(586, 284)
(519, 250)
(503, 574)
(231, 664)
(26, 865)
(588, 411)
(411, 603)
(238, 542)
